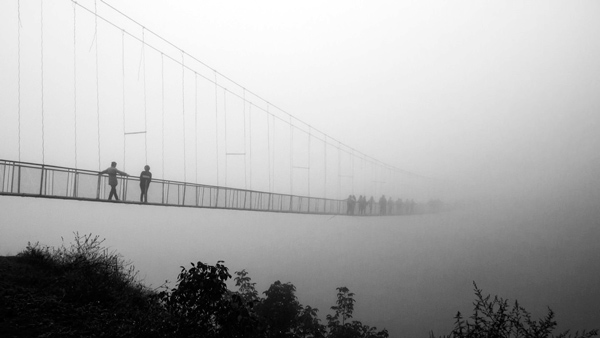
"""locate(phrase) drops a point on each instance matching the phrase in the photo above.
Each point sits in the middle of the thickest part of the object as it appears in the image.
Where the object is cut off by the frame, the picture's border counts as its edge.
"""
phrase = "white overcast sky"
(488, 91)
(443, 88)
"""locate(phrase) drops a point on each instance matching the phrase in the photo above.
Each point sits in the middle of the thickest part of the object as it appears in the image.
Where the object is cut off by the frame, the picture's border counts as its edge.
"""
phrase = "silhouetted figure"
(112, 179)
(371, 202)
(410, 206)
(145, 179)
(358, 202)
(382, 205)
(390, 206)
(399, 206)
(351, 202)
(362, 204)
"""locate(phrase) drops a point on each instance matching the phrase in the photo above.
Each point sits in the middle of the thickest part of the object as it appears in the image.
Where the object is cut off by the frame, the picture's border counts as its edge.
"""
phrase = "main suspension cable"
(227, 78)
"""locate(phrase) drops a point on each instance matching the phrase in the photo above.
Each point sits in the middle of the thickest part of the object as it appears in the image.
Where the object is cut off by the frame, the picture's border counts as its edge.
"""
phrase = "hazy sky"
(498, 92)
(451, 87)
(498, 98)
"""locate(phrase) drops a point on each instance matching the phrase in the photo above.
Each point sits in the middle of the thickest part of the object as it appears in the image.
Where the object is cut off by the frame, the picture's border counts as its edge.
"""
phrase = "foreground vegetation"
(85, 290)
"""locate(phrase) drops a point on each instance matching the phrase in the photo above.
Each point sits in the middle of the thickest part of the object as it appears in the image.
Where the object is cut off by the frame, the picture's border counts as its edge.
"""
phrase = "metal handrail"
(23, 178)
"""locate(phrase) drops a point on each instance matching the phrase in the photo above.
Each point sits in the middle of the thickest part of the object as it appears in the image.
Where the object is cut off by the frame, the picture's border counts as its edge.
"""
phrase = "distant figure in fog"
(359, 203)
(351, 202)
(371, 202)
(382, 205)
(390, 205)
(399, 206)
(145, 178)
(362, 204)
(112, 179)
(410, 206)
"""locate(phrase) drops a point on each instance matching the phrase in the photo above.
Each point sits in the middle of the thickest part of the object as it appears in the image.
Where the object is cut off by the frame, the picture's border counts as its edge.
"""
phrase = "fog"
(410, 274)
(492, 107)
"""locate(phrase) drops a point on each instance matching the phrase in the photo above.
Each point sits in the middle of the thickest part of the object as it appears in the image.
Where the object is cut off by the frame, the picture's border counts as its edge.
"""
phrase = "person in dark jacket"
(382, 205)
(145, 179)
(351, 202)
(362, 204)
(112, 179)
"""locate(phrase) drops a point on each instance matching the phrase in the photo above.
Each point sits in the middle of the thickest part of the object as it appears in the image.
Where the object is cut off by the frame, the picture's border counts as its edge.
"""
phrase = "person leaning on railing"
(112, 172)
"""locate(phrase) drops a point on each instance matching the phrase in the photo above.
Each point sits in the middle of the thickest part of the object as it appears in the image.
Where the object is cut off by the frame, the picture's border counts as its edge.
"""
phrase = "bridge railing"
(40, 180)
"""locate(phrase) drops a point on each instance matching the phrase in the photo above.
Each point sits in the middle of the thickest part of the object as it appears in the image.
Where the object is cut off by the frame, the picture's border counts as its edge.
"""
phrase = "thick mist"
(495, 104)
(411, 274)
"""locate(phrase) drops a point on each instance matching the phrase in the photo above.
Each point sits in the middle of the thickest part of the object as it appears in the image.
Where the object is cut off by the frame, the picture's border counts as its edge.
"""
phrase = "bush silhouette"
(84, 289)
(494, 317)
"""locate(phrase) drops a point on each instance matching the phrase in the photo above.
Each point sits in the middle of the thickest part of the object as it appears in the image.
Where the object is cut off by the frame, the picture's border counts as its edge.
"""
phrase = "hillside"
(41, 299)
(87, 291)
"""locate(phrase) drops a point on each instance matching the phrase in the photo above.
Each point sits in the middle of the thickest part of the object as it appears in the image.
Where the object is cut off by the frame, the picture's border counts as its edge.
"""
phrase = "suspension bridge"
(86, 84)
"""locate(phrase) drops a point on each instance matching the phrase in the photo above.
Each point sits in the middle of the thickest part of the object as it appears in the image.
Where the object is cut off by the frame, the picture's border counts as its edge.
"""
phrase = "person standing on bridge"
(382, 205)
(112, 179)
(145, 178)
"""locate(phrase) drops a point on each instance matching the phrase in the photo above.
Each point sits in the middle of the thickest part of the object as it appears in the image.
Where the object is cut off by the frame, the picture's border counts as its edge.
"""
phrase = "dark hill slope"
(41, 299)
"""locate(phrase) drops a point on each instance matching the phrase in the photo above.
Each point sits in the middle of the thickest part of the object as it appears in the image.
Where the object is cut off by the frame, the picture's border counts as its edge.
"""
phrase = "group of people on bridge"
(145, 179)
(386, 206)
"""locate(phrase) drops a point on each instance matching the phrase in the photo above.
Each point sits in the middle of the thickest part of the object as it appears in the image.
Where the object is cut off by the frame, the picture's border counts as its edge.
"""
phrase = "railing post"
(217, 198)
(125, 183)
(75, 185)
(98, 187)
(42, 180)
(18, 180)
(67, 191)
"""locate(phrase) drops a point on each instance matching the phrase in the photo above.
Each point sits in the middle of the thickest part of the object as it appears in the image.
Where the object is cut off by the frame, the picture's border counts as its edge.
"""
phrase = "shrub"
(202, 305)
(494, 317)
(87, 290)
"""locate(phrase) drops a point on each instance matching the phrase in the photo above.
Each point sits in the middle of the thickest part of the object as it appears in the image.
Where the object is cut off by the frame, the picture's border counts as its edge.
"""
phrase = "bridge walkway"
(49, 181)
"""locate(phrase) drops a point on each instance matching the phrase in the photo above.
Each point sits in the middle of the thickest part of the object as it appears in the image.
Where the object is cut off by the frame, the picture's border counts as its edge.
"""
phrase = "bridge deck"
(47, 181)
